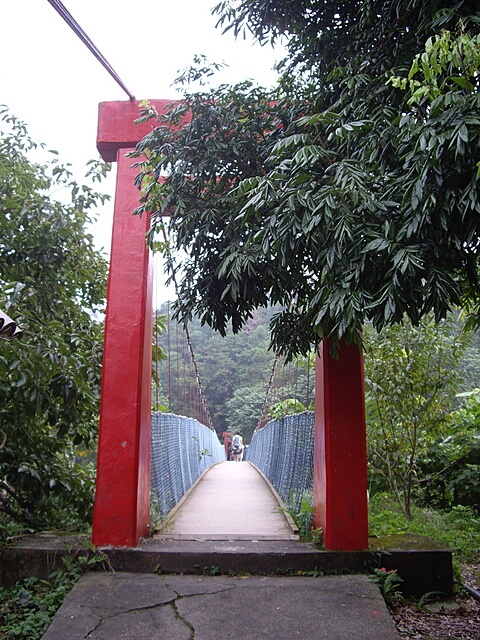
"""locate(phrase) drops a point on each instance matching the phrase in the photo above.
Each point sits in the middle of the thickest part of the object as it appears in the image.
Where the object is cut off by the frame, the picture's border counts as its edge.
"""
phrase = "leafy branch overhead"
(349, 193)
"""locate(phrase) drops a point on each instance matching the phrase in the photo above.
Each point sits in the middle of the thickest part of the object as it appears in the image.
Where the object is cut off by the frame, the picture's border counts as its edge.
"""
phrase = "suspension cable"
(265, 406)
(73, 24)
(296, 383)
(308, 381)
(169, 361)
(155, 335)
(177, 351)
(203, 400)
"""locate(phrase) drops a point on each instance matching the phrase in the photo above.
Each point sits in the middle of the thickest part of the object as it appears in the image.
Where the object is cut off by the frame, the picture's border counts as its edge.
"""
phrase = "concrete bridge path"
(230, 501)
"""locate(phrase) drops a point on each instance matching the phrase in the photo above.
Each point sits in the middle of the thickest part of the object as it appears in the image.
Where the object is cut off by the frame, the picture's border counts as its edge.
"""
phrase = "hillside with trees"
(234, 369)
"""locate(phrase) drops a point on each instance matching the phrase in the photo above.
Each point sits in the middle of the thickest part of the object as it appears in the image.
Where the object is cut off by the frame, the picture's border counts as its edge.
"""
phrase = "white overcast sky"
(49, 79)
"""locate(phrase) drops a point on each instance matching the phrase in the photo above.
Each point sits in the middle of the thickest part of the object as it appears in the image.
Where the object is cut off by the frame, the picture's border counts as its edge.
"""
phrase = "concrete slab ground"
(126, 606)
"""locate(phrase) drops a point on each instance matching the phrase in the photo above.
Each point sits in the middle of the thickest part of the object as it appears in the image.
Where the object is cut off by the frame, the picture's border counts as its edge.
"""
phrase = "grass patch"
(457, 529)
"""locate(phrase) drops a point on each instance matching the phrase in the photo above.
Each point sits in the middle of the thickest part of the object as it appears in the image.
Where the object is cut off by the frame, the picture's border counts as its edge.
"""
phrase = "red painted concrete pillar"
(122, 497)
(122, 500)
(340, 458)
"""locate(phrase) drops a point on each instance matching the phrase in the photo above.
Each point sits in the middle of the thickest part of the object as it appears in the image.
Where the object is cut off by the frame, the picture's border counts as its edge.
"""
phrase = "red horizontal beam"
(117, 128)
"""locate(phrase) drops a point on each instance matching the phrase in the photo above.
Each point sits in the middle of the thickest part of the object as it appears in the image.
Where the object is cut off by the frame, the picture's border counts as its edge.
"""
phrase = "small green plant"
(9, 529)
(302, 516)
(212, 571)
(202, 453)
(317, 536)
(239, 574)
(27, 608)
(313, 573)
(431, 596)
(387, 522)
(157, 519)
(389, 582)
(285, 408)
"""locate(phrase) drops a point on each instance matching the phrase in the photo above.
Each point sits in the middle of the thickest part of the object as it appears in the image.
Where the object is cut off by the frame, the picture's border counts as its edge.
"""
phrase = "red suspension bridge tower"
(122, 500)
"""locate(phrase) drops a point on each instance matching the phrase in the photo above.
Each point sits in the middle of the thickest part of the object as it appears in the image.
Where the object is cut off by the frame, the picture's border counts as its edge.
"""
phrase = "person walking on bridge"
(237, 447)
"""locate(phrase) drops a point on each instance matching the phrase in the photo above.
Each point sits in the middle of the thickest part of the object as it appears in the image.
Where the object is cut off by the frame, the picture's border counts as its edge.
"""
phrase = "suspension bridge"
(211, 509)
(226, 516)
(329, 448)
(192, 470)
(253, 500)
(217, 516)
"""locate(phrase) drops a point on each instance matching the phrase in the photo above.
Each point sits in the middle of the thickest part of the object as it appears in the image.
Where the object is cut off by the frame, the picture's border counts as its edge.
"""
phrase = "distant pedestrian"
(237, 447)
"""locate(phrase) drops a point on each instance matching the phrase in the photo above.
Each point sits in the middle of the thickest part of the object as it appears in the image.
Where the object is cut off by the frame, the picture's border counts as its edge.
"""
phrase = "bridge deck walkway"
(231, 501)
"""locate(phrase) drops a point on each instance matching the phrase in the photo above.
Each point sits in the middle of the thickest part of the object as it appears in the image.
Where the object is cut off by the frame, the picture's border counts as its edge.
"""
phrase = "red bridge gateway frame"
(122, 498)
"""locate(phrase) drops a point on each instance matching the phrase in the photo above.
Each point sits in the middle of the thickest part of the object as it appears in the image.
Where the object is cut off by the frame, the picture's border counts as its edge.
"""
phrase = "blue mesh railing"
(283, 451)
(182, 449)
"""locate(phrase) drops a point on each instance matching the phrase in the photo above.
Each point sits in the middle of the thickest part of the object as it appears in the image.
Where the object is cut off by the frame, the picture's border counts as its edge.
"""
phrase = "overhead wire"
(73, 24)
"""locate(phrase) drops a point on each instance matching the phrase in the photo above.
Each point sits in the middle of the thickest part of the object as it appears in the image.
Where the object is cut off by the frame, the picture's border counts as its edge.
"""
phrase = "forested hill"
(235, 369)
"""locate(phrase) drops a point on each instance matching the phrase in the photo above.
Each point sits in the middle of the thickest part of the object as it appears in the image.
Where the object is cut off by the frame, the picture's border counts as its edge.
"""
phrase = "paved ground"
(127, 606)
(116, 605)
(231, 501)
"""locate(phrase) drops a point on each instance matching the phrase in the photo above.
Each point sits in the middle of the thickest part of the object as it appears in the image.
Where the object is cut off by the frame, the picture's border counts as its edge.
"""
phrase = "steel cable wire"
(77, 29)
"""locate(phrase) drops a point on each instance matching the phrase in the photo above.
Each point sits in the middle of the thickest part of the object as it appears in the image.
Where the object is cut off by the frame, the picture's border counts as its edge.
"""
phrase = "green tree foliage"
(347, 195)
(243, 410)
(53, 284)
(234, 370)
(231, 134)
(449, 473)
(286, 407)
(412, 375)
